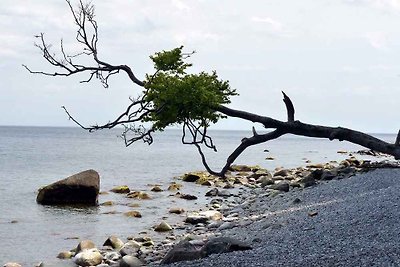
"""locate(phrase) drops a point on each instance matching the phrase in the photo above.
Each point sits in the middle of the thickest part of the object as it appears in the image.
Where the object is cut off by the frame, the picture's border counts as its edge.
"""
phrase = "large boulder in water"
(80, 188)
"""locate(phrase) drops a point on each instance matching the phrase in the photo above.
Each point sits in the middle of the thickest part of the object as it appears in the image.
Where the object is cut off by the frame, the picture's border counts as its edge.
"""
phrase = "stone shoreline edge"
(251, 182)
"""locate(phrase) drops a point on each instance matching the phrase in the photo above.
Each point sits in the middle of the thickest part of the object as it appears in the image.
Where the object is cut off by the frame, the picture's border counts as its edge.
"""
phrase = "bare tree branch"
(87, 35)
(289, 107)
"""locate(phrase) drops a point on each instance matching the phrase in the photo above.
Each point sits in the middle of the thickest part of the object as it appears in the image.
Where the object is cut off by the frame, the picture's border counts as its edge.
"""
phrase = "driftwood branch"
(304, 129)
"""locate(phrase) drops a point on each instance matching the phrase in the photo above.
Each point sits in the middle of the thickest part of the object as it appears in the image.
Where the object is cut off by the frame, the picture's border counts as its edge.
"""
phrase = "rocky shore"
(245, 198)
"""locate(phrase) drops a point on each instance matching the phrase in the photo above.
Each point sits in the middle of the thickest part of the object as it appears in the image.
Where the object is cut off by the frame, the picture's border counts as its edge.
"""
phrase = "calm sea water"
(31, 157)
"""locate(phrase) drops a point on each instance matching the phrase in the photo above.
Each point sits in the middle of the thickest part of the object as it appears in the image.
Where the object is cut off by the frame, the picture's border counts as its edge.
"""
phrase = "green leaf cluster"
(177, 96)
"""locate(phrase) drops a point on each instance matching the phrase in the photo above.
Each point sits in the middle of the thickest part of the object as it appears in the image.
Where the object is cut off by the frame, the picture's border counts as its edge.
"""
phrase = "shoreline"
(348, 222)
(232, 207)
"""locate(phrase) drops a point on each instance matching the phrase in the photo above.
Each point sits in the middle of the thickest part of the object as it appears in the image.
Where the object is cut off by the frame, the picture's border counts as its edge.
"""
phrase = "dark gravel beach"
(348, 222)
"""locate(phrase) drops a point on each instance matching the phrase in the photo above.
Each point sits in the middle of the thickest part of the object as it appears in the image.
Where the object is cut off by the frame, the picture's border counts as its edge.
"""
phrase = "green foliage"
(178, 96)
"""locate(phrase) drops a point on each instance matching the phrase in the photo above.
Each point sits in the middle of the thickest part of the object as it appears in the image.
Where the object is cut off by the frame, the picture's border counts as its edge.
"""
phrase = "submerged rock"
(133, 213)
(123, 189)
(176, 210)
(80, 188)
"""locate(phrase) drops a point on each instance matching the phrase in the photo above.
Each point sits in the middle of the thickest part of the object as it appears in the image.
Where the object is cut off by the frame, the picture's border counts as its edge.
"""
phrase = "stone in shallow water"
(80, 188)
(163, 227)
(114, 242)
(188, 197)
(12, 264)
(123, 189)
(90, 257)
(176, 210)
(133, 213)
(85, 245)
(64, 255)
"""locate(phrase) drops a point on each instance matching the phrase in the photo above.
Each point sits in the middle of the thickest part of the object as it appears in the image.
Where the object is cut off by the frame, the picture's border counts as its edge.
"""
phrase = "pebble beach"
(273, 212)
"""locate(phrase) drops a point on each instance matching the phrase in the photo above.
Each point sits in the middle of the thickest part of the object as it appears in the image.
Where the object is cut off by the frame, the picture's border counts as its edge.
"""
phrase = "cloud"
(274, 25)
(377, 40)
(387, 5)
(180, 5)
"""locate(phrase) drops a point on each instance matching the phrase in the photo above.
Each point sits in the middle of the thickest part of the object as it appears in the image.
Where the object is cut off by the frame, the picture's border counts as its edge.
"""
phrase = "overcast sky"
(338, 60)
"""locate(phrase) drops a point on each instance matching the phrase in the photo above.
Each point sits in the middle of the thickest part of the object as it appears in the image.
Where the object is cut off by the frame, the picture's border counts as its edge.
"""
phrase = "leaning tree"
(172, 96)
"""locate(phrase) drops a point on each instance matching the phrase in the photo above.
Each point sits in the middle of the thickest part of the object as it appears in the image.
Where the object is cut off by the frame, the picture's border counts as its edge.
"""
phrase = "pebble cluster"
(227, 197)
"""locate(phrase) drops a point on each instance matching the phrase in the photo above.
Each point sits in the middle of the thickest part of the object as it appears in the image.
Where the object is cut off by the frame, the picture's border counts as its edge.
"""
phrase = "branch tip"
(289, 107)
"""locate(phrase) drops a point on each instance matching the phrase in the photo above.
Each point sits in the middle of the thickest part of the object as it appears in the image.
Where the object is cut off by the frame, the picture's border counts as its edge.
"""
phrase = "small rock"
(212, 193)
(283, 173)
(195, 219)
(284, 187)
(133, 213)
(138, 195)
(227, 225)
(63, 255)
(327, 175)
(265, 180)
(312, 213)
(85, 245)
(112, 256)
(130, 248)
(219, 245)
(114, 242)
(12, 264)
(308, 181)
(163, 227)
(90, 257)
(191, 177)
(148, 243)
(188, 197)
(240, 168)
(176, 210)
(156, 189)
(296, 201)
(123, 189)
(224, 193)
(269, 158)
(212, 215)
(183, 251)
(107, 203)
(174, 187)
(130, 261)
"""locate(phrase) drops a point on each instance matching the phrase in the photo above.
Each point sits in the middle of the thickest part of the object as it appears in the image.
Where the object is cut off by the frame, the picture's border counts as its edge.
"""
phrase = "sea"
(31, 157)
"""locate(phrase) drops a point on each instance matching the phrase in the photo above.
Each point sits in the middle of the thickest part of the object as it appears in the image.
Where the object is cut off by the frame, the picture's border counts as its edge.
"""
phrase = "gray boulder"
(80, 188)
(188, 251)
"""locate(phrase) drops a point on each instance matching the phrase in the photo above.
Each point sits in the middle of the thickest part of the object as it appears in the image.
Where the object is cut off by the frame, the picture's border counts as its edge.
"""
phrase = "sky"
(338, 60)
